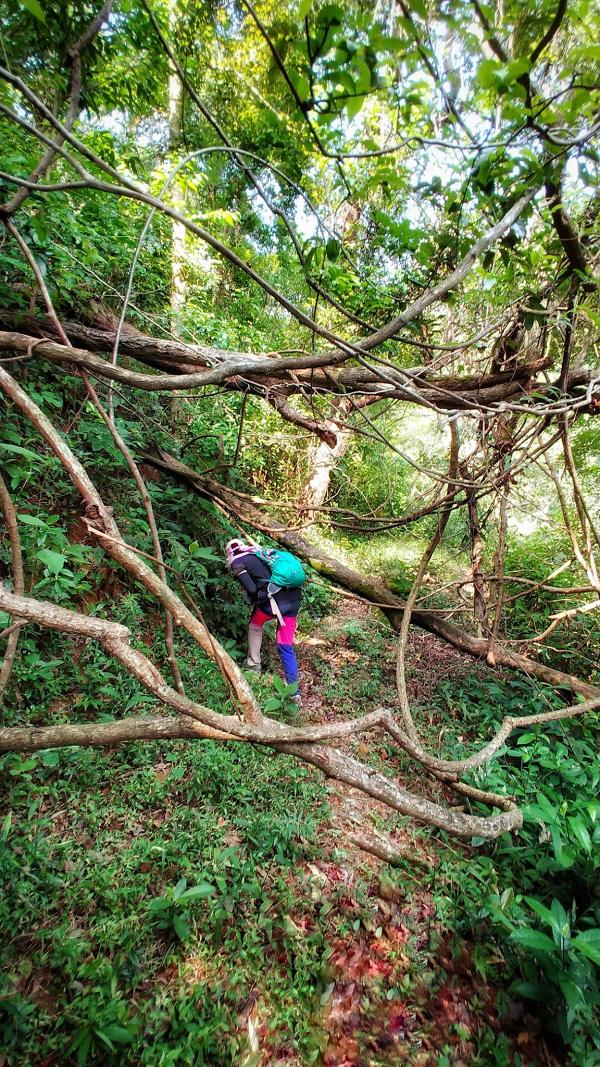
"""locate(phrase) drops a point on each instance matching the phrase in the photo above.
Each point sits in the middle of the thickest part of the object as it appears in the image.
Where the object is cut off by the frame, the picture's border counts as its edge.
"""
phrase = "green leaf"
(353, 106)
(419, 7)
(561, 918)
(525, 739)
(571, 992)
(179, 888)
(304, 8)
(198, 552)
(301, 85)
(290, 690)
(199, 892)
(541, 991)
(332, 248)
(588, 943)
(6, 825)
(488, 73)
(273, 704)
(83, 1049)
(34, 9)
(581, 834)
(23, 768)
(533, 939)
(158, 904)
(390, 44)
(19, 451)
(118, 1034)
(589, 51)
(565, 855)
(516, 68)
(32, 520)
(53, 561)
(181, 928)
(363, 79)
(544, 913)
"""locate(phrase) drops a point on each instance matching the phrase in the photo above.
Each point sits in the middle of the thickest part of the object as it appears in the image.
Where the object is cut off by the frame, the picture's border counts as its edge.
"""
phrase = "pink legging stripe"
(285, 633)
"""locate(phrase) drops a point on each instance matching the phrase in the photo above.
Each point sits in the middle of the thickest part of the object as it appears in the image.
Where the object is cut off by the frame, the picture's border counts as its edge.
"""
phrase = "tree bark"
(324, 457)
(477, 545)
(10, 518)
(288, 375)
(102, 734)
(101, 523)
(300, 742)
(372, 589)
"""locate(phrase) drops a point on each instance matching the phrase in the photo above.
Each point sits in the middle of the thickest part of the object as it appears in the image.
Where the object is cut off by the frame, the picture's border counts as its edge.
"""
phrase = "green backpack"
(287, 571)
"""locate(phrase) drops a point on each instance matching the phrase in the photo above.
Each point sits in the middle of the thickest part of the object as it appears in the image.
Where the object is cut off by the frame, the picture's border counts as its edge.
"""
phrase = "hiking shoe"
(251, 667)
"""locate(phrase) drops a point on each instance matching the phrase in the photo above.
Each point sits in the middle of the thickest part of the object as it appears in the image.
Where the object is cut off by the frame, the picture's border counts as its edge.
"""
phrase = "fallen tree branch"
(302, 742)
(36, 738)
(102, 518)
(382, 846)
(371, 589)
(147, 503)
(14, 631)
(296, 741)
(487, 753)
(242, 371)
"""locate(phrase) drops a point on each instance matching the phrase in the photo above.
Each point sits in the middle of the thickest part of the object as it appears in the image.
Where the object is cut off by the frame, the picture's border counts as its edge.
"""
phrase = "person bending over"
(254, 575)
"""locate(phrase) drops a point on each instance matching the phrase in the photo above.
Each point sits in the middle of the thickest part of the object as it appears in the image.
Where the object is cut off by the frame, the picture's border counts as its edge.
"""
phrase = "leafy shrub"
(534, 895)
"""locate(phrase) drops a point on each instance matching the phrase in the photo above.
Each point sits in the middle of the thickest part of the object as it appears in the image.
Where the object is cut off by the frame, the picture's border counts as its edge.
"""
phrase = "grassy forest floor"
(194, 904)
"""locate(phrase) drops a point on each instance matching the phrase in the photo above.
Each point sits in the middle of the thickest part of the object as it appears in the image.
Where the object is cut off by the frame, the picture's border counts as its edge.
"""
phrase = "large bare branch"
(161, 728)
(370, 588)
(103, 520)
(301, 742)
(240, 371)
(10, 518)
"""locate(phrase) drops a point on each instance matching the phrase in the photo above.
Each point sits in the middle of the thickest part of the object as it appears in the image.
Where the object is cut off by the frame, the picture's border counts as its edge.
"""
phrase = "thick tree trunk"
(289, 374)
(323, 458)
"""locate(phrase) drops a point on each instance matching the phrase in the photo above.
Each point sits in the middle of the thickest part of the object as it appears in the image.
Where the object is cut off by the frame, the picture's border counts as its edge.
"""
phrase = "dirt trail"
(400, 990)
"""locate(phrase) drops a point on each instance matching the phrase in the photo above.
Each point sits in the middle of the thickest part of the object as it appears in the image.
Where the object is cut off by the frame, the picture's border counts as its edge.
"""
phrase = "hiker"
(273, 590)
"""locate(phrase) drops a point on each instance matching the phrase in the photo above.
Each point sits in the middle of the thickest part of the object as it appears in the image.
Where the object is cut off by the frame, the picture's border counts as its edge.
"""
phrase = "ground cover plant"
(159, 897)
(323, 275)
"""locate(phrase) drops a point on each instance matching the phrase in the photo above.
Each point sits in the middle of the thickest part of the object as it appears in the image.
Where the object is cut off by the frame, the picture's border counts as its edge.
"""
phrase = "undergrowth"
(148, 892)
(530, 901)
(182, 903)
